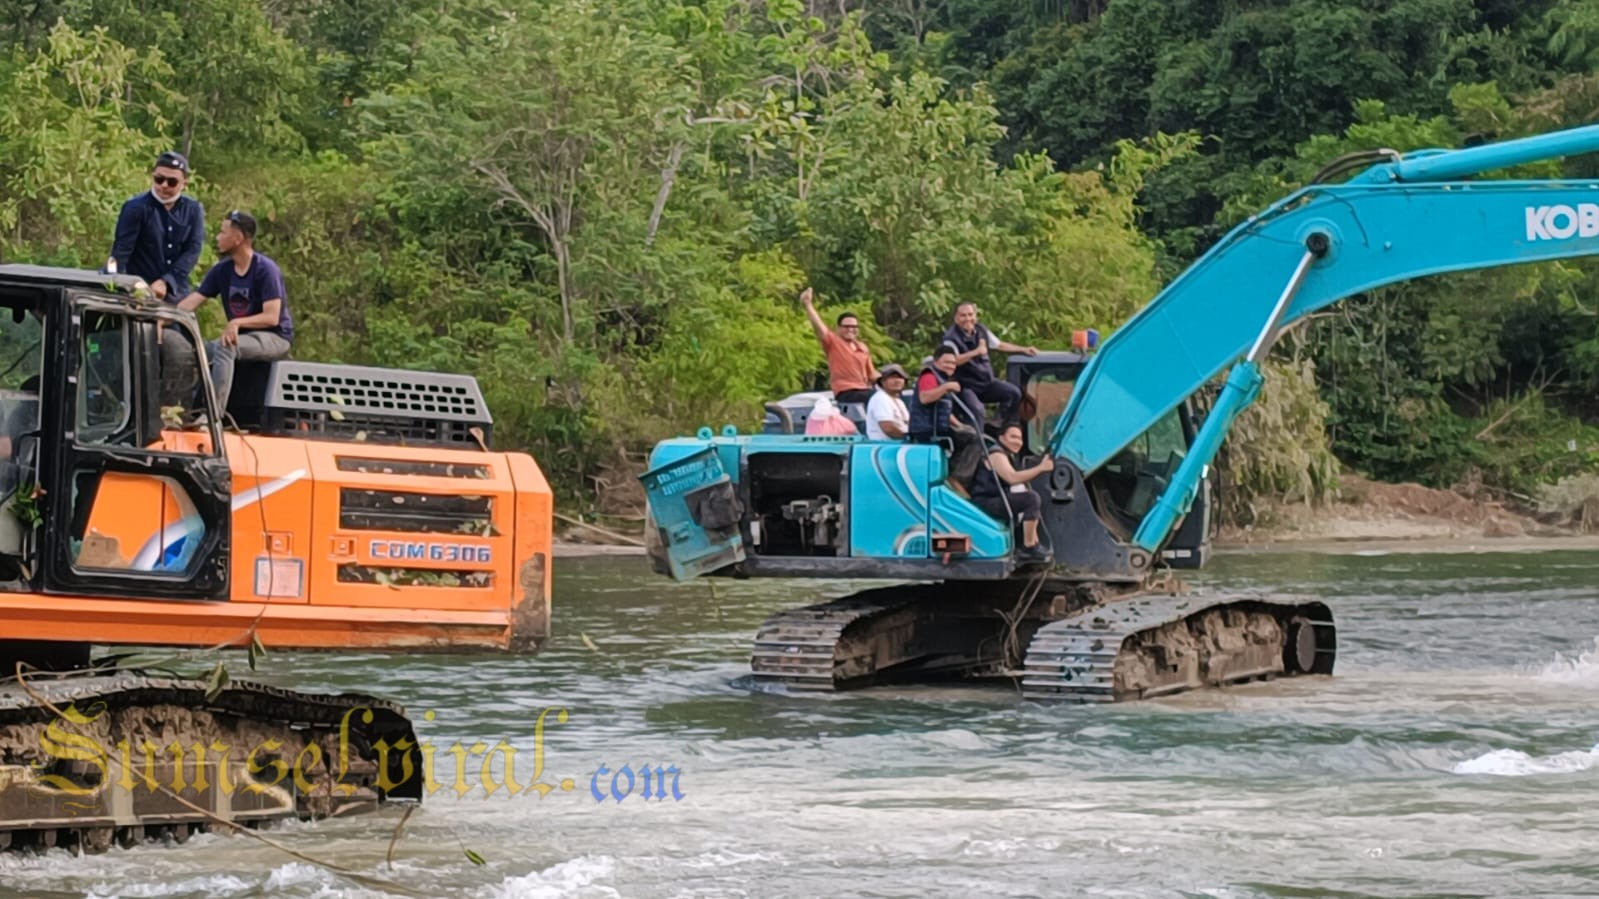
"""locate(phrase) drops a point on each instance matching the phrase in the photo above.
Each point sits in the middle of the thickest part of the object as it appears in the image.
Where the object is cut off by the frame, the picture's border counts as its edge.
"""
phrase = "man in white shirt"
(886, 416)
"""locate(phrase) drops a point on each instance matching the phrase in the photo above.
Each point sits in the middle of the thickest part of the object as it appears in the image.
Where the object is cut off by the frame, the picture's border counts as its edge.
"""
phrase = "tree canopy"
(605, 210)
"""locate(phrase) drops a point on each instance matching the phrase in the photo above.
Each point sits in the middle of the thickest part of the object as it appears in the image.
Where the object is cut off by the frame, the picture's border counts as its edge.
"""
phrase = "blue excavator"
(1128, 502)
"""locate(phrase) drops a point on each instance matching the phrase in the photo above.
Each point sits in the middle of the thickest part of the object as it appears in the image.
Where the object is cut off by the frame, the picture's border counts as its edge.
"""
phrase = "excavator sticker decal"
(1562, 222)
(914, 510)
(168, 548)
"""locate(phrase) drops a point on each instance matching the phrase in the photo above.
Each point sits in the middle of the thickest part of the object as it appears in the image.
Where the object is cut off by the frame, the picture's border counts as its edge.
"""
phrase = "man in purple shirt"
(259, 328)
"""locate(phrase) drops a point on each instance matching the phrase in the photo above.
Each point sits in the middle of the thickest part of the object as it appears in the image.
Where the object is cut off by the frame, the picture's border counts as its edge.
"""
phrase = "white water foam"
(573, 877)
(205, 885)
(1515, 763)
(1581, 671)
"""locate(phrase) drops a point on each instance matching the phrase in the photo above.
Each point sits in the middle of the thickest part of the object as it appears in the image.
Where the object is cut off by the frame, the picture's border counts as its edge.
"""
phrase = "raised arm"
(823, 333)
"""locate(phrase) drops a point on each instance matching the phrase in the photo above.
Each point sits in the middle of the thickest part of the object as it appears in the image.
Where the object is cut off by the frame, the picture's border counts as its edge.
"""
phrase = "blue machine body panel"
(897, 498)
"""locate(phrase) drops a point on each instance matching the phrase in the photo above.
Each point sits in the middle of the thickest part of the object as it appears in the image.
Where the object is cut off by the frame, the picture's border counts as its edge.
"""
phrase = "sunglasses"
(165, 181)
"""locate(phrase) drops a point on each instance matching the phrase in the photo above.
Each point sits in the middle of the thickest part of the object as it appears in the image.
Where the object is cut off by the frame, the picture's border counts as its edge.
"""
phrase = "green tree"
(68, 157)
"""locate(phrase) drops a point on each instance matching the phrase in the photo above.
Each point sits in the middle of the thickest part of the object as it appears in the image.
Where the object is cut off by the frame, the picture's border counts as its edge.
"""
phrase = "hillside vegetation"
(605, 210)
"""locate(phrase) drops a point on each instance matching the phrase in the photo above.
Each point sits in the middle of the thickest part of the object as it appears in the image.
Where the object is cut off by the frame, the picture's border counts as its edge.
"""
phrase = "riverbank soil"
(1371, 510)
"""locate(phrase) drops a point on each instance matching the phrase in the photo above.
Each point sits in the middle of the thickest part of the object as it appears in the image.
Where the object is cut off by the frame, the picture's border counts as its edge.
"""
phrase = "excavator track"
(892, 633)
(804, 648)
(93, 759)
(1156, 645)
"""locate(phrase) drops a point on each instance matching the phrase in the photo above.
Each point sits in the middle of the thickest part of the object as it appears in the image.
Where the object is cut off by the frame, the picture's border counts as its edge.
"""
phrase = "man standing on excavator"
(160, 232)
(975, 371)
(259, 328)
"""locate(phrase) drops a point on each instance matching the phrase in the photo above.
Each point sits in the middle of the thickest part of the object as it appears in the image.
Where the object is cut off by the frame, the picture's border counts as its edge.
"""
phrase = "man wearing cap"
(250, 284)
(160, 232)
(886, 415)
(975, 371)
(849, 362)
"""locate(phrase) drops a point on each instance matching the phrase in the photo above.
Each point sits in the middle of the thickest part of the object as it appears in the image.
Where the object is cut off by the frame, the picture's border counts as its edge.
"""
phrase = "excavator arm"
(1396, 221)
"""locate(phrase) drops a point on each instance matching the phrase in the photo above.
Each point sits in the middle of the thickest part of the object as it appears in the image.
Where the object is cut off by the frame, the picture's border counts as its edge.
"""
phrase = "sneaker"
(1037, 554)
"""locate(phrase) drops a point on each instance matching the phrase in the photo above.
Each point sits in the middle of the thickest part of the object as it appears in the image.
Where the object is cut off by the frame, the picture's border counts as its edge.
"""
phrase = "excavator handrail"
(1394, 222)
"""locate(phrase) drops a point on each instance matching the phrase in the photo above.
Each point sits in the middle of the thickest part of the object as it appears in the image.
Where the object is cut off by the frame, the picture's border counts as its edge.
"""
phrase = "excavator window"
(1134, 478)
(104, 398)
(1047, 393)
(134, 504)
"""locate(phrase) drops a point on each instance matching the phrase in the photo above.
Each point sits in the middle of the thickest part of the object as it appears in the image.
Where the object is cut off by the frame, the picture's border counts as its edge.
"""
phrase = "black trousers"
(1006, 394)
(863, 395)
(1024, 506)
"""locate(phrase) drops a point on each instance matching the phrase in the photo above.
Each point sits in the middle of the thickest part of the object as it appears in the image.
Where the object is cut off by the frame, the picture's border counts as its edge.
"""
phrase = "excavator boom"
(1394, 222)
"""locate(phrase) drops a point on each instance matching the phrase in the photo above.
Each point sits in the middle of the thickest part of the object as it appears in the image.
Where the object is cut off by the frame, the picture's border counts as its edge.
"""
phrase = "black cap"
(173, 160)
(244, 221)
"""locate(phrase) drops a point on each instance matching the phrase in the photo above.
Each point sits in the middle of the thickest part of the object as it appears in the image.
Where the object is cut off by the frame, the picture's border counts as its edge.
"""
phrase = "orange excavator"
(344, 508)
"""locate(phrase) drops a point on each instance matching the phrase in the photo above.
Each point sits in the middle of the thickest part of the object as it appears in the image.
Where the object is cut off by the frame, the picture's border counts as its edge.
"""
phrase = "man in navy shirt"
(975, 371)
(259, 328)
(160, 232)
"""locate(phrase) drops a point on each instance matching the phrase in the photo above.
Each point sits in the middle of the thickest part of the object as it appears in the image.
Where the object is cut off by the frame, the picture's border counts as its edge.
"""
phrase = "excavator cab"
(1125, 489)
(145, 510)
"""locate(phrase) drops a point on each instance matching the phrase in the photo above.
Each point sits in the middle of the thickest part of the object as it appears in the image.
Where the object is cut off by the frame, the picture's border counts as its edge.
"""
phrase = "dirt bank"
(1373, 511)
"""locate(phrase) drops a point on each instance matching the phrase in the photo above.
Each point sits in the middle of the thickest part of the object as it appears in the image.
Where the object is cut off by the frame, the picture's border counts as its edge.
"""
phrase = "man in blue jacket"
(160, 232)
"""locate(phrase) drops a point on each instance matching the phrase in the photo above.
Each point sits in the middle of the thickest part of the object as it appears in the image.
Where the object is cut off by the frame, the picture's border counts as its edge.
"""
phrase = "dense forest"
(605, 210)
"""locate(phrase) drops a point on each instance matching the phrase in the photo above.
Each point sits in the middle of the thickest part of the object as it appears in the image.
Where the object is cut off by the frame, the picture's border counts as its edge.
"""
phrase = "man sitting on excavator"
(975, 371)
(886, 415)
(933, 416)
(849, 363)
(259, 327)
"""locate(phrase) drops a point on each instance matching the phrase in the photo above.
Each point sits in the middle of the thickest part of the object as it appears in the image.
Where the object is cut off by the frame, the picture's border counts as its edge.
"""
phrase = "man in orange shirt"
(849, 362)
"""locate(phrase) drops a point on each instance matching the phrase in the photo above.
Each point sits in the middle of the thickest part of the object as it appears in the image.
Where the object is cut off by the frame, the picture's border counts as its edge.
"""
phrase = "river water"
(1453, 753)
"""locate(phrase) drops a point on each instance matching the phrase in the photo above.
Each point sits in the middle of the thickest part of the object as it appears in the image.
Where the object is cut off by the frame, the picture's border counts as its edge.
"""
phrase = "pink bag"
(826, 421)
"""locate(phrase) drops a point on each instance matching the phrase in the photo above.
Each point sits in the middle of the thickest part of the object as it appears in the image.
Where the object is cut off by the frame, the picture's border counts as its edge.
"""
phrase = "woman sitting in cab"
(1001, 489)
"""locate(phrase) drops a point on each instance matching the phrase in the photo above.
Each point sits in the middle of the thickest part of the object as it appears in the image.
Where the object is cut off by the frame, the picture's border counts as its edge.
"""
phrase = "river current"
(1454, 752)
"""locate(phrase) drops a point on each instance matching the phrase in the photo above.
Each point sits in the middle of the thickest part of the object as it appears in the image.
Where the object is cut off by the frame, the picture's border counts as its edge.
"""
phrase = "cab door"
(134, 508)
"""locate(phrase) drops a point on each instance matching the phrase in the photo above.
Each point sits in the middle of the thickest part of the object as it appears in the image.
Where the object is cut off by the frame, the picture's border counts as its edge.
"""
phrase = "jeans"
(253, 346)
